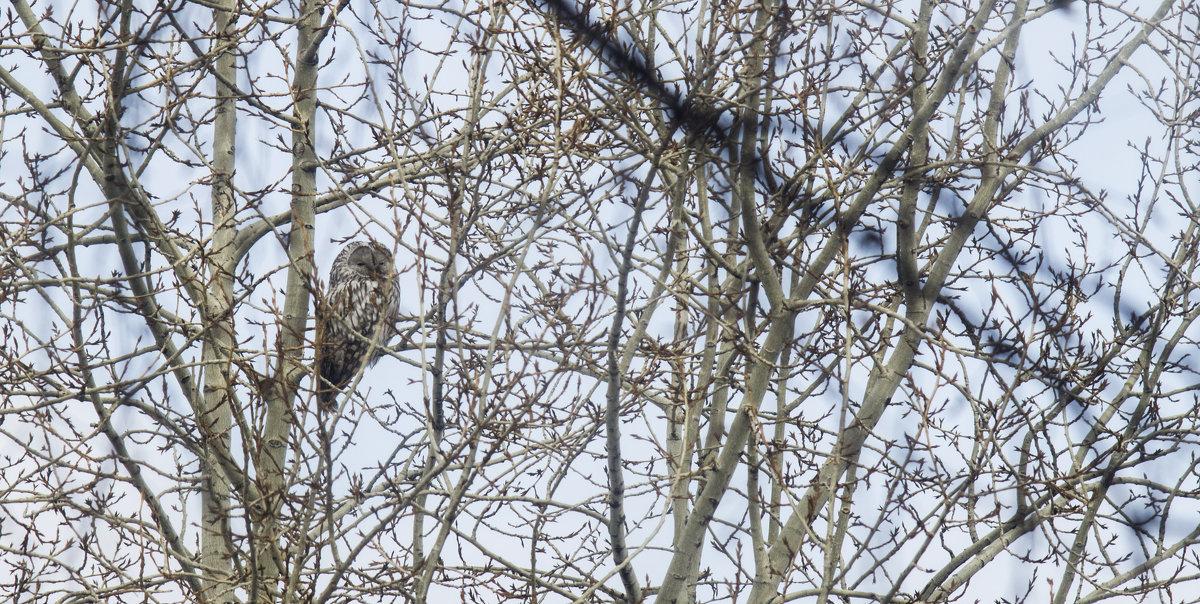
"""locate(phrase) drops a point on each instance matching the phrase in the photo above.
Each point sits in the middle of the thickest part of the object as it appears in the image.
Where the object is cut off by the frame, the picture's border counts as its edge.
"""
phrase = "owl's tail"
(328, 382)
(326, 397)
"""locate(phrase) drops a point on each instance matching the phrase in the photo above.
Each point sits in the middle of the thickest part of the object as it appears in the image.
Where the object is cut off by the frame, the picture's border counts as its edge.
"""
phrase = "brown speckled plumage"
(361, 306)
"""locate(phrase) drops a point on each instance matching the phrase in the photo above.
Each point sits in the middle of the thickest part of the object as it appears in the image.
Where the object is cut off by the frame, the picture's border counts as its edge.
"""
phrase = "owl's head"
(368, 259)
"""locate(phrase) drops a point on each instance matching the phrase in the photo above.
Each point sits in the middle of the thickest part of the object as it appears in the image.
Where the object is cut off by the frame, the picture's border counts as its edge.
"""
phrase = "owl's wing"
(393, 309)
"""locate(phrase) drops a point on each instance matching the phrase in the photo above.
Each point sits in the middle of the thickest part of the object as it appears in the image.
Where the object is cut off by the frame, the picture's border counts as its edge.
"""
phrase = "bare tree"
(882, 302)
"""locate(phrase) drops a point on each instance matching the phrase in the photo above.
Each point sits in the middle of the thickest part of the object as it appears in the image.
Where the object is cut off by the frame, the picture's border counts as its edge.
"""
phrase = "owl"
(357, 318)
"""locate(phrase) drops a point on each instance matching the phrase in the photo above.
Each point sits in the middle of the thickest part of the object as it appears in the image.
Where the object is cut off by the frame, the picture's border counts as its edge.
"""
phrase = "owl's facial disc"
(371, 262)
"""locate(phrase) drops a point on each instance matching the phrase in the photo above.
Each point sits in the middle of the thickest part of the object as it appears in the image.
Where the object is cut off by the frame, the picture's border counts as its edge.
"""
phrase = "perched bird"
(357, 318)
